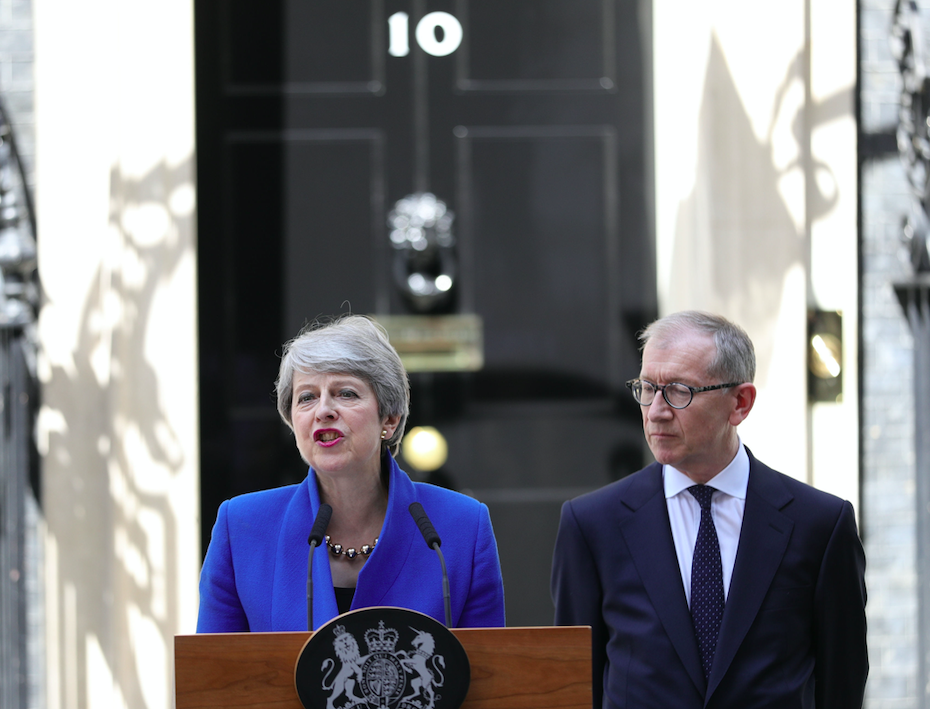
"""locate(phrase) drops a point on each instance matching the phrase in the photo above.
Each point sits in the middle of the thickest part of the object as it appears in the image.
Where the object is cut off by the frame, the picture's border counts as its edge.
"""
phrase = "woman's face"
(336, 423)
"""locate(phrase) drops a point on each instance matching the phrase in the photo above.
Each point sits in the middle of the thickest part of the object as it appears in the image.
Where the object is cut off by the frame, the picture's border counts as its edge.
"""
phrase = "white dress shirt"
(726, 507)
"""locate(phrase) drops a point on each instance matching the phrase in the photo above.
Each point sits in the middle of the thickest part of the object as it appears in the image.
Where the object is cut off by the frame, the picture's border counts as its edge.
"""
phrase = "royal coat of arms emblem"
(411, 662)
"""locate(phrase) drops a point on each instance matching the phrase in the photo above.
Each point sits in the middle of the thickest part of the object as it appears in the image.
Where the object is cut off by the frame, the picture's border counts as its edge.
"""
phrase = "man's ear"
(745, 397)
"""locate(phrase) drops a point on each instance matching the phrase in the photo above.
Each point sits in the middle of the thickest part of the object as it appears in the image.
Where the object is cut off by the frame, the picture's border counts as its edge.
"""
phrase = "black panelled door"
(526, 118)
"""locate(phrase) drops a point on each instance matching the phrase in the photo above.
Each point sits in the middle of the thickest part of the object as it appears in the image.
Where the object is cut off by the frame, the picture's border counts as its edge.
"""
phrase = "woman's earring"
(383, 434)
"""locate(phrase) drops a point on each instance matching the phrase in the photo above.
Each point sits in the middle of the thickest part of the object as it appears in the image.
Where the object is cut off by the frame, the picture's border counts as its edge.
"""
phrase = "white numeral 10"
(399, 34)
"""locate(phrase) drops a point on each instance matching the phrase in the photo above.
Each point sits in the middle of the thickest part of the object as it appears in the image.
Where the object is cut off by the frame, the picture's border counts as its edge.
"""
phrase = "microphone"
(319, 525)
(434, 542)
(426, 527)
(314, 540)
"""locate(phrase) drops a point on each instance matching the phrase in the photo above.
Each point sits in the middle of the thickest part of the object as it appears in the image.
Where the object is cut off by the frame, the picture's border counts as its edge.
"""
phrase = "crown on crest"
(381, 640)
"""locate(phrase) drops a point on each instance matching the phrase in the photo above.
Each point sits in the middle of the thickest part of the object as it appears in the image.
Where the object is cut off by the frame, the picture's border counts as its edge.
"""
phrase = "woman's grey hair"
(350, 344)
(735, 360)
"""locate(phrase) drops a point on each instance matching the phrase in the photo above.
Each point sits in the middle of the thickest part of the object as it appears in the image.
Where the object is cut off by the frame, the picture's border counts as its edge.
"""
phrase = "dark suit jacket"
(254, 576)
(793, 633)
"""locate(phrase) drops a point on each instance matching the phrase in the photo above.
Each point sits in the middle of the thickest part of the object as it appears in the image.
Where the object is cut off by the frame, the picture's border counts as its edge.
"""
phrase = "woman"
(343, 391)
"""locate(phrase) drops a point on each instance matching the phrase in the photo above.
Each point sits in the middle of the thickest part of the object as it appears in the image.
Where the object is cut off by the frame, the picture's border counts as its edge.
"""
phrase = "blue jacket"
(254, 576)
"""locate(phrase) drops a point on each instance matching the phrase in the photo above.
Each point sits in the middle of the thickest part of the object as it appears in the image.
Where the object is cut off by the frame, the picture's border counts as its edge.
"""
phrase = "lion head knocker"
(424, 258)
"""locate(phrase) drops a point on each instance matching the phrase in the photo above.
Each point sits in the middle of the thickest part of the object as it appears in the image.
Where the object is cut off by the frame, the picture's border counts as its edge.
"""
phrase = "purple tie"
(706, 580)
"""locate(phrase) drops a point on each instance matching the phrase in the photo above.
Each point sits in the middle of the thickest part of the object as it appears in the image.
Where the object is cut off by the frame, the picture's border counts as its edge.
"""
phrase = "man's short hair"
(735, 360)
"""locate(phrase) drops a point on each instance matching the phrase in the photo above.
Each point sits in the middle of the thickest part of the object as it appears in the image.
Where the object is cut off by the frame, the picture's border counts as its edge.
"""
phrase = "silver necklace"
(351, 552)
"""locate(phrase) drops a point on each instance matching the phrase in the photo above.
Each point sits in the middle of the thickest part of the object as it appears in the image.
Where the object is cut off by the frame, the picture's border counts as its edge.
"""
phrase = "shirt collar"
(733, 479)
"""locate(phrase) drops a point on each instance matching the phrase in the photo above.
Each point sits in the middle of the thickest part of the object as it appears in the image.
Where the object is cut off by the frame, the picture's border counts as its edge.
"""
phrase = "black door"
(527, 120)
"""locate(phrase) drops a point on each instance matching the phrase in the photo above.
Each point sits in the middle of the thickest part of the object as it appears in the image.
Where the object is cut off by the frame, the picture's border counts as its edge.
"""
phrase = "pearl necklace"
(351, 552)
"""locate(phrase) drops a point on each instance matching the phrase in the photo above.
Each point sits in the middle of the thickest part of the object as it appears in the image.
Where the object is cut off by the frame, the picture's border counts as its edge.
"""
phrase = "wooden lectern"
(511, 668)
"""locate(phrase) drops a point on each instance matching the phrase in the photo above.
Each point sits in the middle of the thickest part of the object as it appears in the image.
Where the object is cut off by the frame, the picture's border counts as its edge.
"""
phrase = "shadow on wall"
(113, 459)
(735, 236)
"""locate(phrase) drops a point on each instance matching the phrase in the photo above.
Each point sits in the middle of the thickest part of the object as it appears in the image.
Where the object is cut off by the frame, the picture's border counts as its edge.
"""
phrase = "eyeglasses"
(676, 394)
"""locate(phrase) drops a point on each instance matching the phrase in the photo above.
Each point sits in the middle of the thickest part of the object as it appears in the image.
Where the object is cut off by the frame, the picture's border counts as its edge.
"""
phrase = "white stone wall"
(756, 201)
(118, 425)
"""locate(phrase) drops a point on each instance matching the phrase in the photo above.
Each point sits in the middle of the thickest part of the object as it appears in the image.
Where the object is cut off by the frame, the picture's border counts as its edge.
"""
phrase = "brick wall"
(16, 83)
(16, 95)
(888, 485)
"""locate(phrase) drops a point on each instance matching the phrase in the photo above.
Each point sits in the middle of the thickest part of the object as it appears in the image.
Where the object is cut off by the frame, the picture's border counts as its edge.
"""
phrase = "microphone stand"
(445, 587)
(314, 540)
(432, 540)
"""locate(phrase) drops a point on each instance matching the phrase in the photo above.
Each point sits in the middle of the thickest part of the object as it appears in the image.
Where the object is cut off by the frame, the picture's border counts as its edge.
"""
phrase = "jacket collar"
(763, 540)
(648, 534)
(289, 602)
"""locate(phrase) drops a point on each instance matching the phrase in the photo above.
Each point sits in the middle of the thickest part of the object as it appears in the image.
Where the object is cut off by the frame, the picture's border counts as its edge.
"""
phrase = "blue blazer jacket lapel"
(763, 540)
(399, 533)
(289, 601)
(648, 535)
(288, 594)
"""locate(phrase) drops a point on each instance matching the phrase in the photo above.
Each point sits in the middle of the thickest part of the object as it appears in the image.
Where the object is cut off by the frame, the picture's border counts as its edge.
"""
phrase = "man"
(747, 590)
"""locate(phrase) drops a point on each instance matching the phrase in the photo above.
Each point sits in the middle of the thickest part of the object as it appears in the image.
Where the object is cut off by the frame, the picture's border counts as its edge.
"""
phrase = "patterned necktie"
(706, 580)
